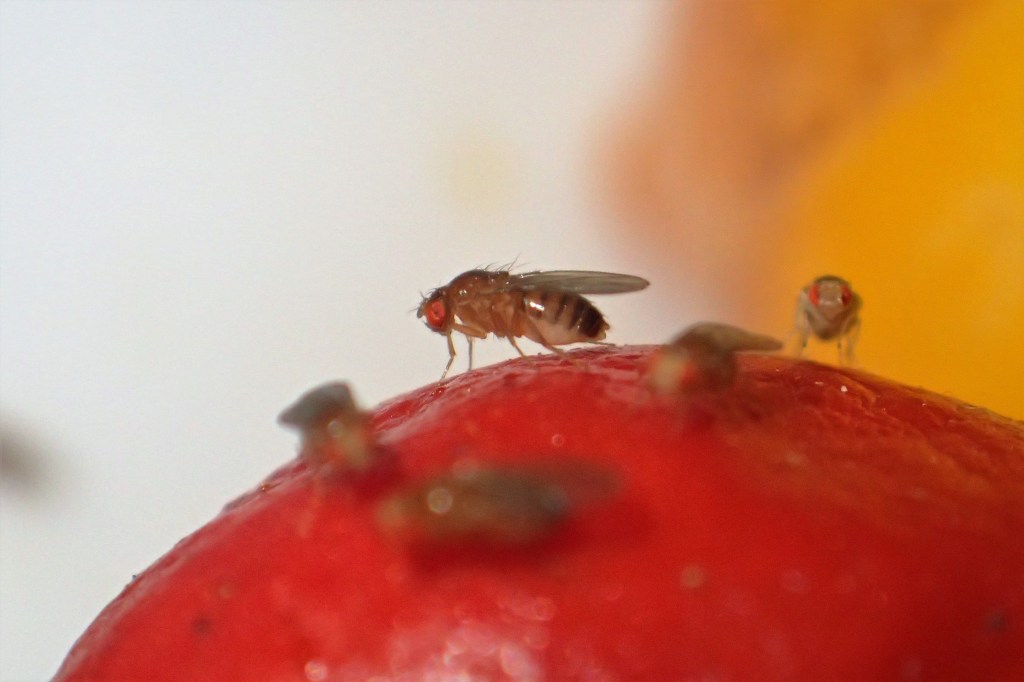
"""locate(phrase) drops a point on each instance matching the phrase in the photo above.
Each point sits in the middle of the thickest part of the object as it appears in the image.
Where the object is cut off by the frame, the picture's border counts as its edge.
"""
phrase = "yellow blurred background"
(880, 141)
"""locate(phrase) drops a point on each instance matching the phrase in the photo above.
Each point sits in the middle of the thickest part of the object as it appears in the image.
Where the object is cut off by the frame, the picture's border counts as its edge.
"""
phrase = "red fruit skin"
(806, 523)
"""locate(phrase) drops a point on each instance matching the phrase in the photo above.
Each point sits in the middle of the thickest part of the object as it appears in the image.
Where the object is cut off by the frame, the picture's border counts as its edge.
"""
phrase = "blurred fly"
(829, 309)
(496, 505)
(703, 356)
(548, 308)
(335, 432)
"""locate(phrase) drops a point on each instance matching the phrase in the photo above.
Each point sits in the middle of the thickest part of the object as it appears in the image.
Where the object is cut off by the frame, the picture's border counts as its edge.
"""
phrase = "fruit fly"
(829, 309)
(703, 356)
(335, 432)
(500, 505)
(546, 307)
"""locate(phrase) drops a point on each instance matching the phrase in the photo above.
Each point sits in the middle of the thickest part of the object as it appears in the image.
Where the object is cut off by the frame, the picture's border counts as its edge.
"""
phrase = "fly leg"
(847, 341)
(521, 353)
(512, 340)
(471, 333)
(802, 332)
(451, 358)
(503, 329)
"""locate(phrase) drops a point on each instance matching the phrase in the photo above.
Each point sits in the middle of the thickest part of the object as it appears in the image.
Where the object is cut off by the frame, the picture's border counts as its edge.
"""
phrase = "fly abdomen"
(565, 316)
(588, 319)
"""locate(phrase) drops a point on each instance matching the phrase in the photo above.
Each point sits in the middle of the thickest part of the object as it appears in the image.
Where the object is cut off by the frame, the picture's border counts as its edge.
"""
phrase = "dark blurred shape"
(703, 357)
(336, 434)
(24, 466)
(497, 505)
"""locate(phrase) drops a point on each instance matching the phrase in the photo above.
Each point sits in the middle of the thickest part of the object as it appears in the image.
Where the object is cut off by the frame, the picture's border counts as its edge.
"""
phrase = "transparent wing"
(577, 282)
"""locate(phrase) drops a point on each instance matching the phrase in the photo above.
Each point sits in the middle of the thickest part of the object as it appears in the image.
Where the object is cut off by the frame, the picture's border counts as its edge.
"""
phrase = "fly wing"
(727, 338)
(577, 282)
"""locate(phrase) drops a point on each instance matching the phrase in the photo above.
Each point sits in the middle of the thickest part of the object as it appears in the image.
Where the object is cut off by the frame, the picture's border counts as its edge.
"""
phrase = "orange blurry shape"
(924, 212)
(879, 141)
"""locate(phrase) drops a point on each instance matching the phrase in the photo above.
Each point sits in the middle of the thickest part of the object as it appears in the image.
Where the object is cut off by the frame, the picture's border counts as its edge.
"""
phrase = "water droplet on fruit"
(316, 671)
(543, 609)
(693, 577)
(439, 500)
(518, 663)
(795, 459)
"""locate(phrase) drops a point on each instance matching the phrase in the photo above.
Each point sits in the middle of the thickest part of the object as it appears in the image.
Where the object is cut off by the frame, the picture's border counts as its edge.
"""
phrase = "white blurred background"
(207, 208)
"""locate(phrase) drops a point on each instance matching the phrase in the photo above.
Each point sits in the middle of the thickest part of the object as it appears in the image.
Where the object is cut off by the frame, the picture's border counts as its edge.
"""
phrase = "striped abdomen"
(560, 318)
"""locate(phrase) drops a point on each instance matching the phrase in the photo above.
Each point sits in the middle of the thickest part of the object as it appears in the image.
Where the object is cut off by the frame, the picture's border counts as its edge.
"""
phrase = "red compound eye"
(812, 294)
(436, 314)
(846, 296)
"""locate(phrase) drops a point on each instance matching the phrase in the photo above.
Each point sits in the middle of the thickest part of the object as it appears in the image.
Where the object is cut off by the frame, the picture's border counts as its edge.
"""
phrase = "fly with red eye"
(828, 309)
(436, 313)
(814, 290)
(547, 307)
